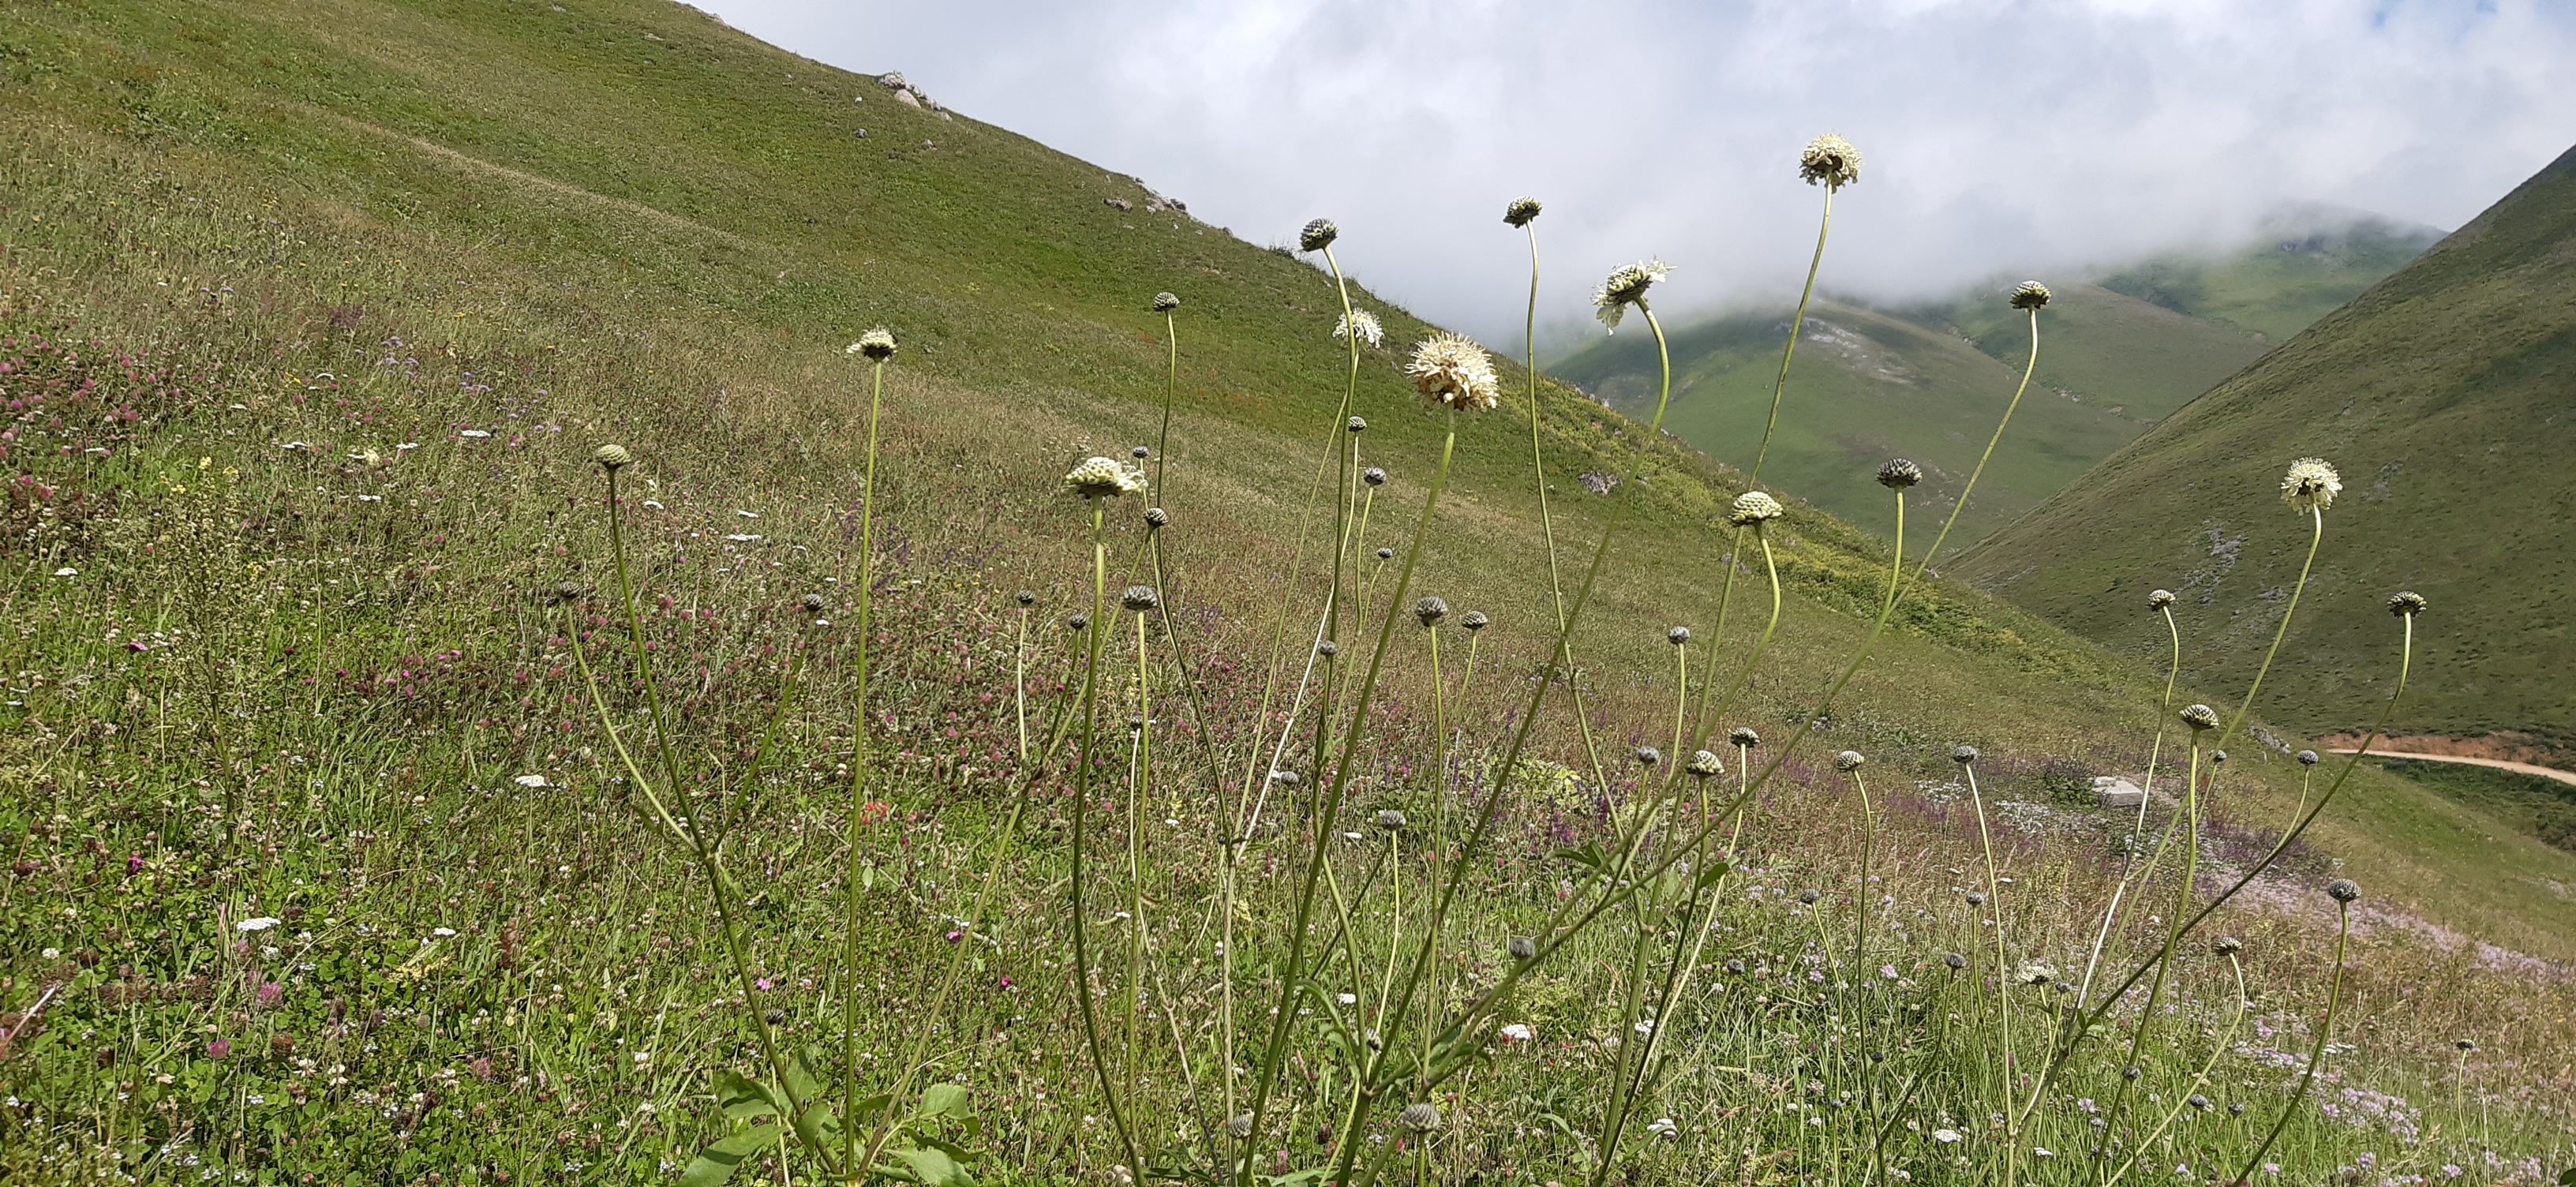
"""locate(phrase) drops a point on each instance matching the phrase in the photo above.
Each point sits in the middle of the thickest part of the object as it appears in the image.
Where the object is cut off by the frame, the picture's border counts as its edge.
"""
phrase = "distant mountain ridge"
(1927, 380)
(2447, 396)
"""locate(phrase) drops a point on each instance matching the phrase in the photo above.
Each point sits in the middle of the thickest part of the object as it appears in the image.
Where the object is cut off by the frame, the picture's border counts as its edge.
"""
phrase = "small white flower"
(263, 923)
(1518, 1032)
(1348, 999)
(532, 781)
(473, 433)
(67, 571)
(1363, 323)
(1664, 1128)
(1945, 1136)
(442, 932)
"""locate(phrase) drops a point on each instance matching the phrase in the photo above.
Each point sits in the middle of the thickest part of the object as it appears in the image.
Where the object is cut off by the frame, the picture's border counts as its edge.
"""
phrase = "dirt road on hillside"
(2566, 777)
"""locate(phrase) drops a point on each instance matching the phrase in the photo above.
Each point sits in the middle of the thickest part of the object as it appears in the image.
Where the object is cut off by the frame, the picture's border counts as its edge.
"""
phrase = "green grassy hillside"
(1927, 380)
(323, 859)
(2442, 394)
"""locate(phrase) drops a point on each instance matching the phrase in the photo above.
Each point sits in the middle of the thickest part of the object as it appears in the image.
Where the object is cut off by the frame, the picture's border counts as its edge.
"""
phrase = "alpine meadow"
(593, 601)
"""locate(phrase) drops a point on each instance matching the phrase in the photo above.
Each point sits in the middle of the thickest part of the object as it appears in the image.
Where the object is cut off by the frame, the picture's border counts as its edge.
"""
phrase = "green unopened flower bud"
(1753, 507)
(1677, 636)
(1522, 948)
(1420, 1117)
(2029, 294)
(1848, 761)
(1166, 302)
(2159, 599)
(1473, 620)
(876, 345)
(613, 457)
(1318, 235)
(1139, 598)
(2407, 604)
(1742, 737)
(1964, 755)
(2343, 890)
(1705, 765)
(1899, 473)
(2200, 717)
(1521, 211)
(1648, 756)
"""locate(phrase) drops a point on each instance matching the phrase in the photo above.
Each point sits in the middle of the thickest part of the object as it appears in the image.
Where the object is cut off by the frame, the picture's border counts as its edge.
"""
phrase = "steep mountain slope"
(1927, 381)
(2447, 396)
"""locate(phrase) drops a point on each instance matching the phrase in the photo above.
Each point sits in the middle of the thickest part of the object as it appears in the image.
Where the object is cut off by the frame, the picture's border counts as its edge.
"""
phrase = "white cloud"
(1998, 134)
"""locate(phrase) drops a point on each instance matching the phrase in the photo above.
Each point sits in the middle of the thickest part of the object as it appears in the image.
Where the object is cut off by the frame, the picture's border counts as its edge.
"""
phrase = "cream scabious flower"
(1626, 287)
(2029, 294)
(1452, 371)
(1753, 507)
(2311, 484)
(1362, 323)
(877, 345)
(1099, 477)
(1521, 211)
(1830, 161)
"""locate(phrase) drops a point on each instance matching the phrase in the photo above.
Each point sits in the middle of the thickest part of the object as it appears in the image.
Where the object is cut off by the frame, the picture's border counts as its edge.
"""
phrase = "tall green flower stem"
(2164, 715)
(1861, 895)
(852, 890)
(2183, 1099)
(1293, 967)
(1171, 386)
(1094, 634)
(1980, 470)
(2003, 960)
(2189, 818)
(1797, 326)
(685, 826)
(1546, 519)
(1139, 791)
(2317, 1053)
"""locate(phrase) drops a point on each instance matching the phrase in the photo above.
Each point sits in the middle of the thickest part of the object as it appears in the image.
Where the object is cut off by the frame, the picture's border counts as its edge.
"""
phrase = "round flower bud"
(1240, 1125)
(2343, 890)
(1390, 820)
(1431, 611)
(567, 593)
(2029, 294)
(1156, 517)
(1899, 473)
(876, 345)
(1976, 898)
(1025, 598)
(2198, 1101)
(2132, 1072)
(1829, 161)
(1079, 622)
(1139, 598)
(2307, 758)
(2465, 1045)
(1141, 452)
(1751, 508)
(1648, 756)
(2311, 485)
(1420, 1117)
(1735, 968)
(1742, 737)
(1356, 425)
(1166, 302)
(1810, 895)
(2159, 599)
(1677, 636)
(1964, 755)
(1704, 765)
(1954, 960)
(2200, 717)
(613, 457)
(1474, 620)
(1284, 778)
(1521, 211)
(1386, 554)
(2217, 756)
(1522, 948)
(813, 603)
(1328, 649)
(2406, 605)
(1318, 235)
(1848, 761)
(2228, 946)
(1373, 476)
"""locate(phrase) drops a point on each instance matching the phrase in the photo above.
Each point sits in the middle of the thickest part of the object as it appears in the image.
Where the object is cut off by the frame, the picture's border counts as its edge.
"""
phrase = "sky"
(2039, 137)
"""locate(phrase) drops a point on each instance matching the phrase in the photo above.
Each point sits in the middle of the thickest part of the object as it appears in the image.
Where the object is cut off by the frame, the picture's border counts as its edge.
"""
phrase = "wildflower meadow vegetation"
(411, 781)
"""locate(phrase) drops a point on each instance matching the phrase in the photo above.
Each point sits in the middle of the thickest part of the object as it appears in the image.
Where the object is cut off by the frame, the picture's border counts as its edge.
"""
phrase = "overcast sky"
(2025, 135)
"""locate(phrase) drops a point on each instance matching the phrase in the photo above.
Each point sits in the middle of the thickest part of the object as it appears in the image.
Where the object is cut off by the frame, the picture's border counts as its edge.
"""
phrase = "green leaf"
(716, 1163)
(932, 1167)
(944, 1100)
(800, 1075)
(818, 1125)
(743, 1099)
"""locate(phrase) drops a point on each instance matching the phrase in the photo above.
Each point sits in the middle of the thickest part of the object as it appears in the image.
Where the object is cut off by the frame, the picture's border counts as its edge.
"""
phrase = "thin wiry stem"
(2317, 1054)
(2189, 818)
(1983, 458)
(1797, 325)
(856, 825)
(2003, 957)
(2182, 1100)
(1095, 632)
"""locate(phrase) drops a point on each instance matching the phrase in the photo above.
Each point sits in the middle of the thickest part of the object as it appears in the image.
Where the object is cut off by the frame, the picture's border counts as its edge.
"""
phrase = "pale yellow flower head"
(1829, 161)
(1451, 371)
(1101, 477)
(2311, 485)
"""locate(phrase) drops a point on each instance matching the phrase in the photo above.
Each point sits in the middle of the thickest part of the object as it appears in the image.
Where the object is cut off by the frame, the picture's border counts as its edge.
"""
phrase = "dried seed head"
(1648, 756)
(876, 345)
(1964, 755)
(1474, 620)
(1704, 765)
(2343, 890)
(1454, 373)
(1360, 324)
(1156, 517)
(1677, 636)
(1420, 1117)
(1742, 737)
(2310, 485)
(2307, 758)
(1521, 211)
(1830, 161)
(2029, 294)
(1139, 598)
(2159, 599)
(1522, 948)
(2200, 717)
(1624, 288)
(1899, 473)
(2406, 605)
(1373, 476)
(813, 603)
(1848, 761)
(1431, 611)
(1318, 235)
(613, 457)
(1751, 508)
(1101, 477)
(1025, 598)
(1391, 820)
(1166, 302)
